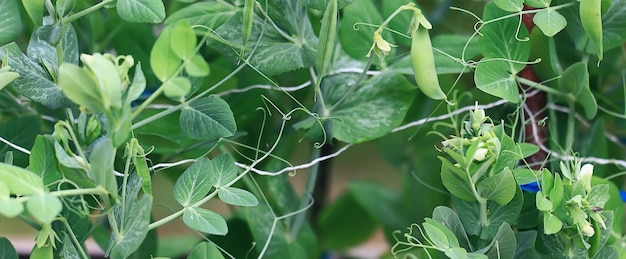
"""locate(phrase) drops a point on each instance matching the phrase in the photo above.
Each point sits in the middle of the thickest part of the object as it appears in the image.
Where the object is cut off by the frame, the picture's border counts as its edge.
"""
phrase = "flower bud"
(586, 228)
(480, 154)
(584, 176)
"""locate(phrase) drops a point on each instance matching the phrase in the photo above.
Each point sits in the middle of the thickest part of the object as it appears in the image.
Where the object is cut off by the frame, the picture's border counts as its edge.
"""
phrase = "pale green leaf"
(436, 236)
(543, 204)
(510, 5)
(195, 182)
(101, 160)
(10, 207)
(549, 21)
(500, 187)
(10, 22)
(183, 40)
(44, 207)
(525, 175)
(538, 3)
(236, 196)
(225, 170)
(551, 224)
(495, 78)
(7, 77)
(205, 220)
(145, 11)
(79, 87)
(205, 250)
(197, 66)
(449, 235)
(208, 118)
(19, 180)
(176, 87)
(449, 218)
(163, 60)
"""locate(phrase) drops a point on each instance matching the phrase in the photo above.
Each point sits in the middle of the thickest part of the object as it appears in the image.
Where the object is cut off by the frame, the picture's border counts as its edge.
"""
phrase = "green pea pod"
(423, 62)
(248, 18)
(591, 18)
(326, 45)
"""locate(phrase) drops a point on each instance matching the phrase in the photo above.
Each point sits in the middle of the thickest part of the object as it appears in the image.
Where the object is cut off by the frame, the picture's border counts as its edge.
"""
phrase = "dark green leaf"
(357, 43)
(575, 82)
(345, 223)
(34, 8)
(499, 39)
(526, 244)
(456, 183)
(10, 22)
(500, 187)
(209, 14)
(613, 26)
(205, 220)
(504, 244)
(448, 218)
(225, 170)
(43, 160)
(236, 196)
(208, 118)
(321, 4)
(43, 43)
(133, 223)
(494, 78)
(371, 111)
(7, 250)
(608, 252)
(20, 131)
(148, 11)
(195, 182)
(34, 82)
(497, 215)
(205, 250)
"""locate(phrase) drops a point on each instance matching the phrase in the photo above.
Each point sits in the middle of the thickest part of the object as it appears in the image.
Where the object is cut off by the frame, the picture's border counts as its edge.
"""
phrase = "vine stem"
(308, 191)
(84, 12)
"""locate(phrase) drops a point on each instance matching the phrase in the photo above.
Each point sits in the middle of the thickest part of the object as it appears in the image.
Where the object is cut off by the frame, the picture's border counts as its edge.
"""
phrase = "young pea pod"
(423, 61)
(591, 18)
(326, 45)
(248, 18)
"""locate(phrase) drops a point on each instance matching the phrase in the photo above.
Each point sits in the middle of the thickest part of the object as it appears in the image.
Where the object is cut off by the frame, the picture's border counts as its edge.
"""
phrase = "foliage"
(99, 99)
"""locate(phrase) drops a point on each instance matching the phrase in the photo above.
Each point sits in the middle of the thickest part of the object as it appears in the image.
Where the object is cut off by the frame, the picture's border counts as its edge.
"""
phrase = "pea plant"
(100, 98)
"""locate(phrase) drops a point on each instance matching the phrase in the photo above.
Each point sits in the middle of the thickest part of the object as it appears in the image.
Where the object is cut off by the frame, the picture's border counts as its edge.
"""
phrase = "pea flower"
(584, 176)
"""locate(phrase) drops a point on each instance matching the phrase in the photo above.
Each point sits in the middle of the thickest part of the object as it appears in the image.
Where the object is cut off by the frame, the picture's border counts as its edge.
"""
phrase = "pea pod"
(423, 62)
(326, 45)
(591, 18)
(248, 18)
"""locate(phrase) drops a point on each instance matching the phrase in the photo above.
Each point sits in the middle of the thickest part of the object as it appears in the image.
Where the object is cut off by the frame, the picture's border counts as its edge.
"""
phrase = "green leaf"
(494, 78)
(500, 39)
(34, 8)
(556, 194)
(504, 244)
(163, 59)
(44, 252)
(197, 66)
(436, 236)
(183, 40)
(510, 5)
(145, 11)
(526, 244)
(34, 81)
(496, 215)
(205, 220)
(20, 131)
(195, 182)
(550, 21)
(10, 22)
(236, 196)
(176, 88)
(538, 3)
(133, 221)
(101, 160)
(551, 223)
(209, 14)
(273, 53)
(225, 170)
(10, 207)
(456, 183)
(7, 77)
(7, 250)
(450, 238)
(371, 111)
(345, 223)
(543, 204)
(45, 43)
(44, 207)
(575, 82)
(613, 27)
(321, 4)
(448, 218)
(608, 252)
(205, 250)
(20, 181)
(357, 43)
(138, 85)
(526, 149)
(79, 87)
(599, 195)
(500, 187)
(43, 160)
(208, 118)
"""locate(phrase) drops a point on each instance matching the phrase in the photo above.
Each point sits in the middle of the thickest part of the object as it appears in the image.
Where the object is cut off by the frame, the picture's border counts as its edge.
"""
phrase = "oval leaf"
(225, 170)
(177, 87)
(494, 78)
(550, 21)
(205, 250)
(208, 118)
(44, 207)
(195, 182)
(236, 196)
(510, 5)
(146, 11)
(205, 220)
(183, 40)
(19, 180)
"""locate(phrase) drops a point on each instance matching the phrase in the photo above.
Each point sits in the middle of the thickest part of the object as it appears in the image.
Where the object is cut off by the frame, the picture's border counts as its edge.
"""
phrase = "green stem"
(50, 9)
(308, 192)
(571, 119)
(84, 12)
(409, 6)
(539, 86)
(553, 8)
(77, 244)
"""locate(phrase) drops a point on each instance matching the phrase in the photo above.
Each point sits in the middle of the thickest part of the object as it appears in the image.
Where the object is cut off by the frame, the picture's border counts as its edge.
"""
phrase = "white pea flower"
(584, 176)
(480, 154)
(586, 228)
